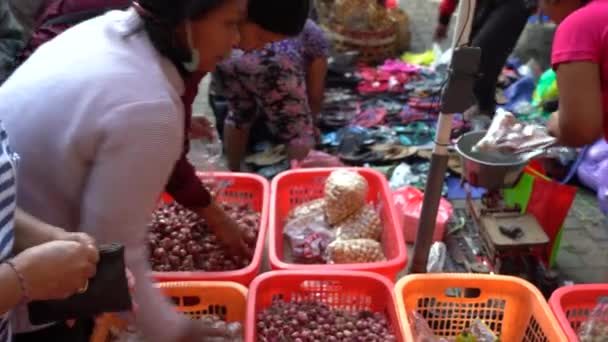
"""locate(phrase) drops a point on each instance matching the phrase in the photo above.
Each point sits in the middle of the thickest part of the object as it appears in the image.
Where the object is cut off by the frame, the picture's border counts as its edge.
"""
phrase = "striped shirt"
(8, 160)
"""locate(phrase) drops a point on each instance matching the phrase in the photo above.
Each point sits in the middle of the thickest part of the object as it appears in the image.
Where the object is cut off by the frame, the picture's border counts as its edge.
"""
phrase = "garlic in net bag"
(355, 251)
(364, 224)
(312, 208)
(345, 193)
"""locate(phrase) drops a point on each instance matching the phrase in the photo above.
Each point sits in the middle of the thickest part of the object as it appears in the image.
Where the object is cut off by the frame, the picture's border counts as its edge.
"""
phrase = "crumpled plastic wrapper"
(308, 238)
(345, 193)
(364, 224)
(595, 328)
(355, 251)
(312, 208)
(422, 331)
(482, 332)
(234, 332)
(508, 135)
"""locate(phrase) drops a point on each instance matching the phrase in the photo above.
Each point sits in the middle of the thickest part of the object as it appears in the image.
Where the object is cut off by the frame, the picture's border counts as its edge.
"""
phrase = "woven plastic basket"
(573, 304)
(291, 188)
(373, 46)
(241, 188)
(344, 290)
(195, 299)
(513, 308)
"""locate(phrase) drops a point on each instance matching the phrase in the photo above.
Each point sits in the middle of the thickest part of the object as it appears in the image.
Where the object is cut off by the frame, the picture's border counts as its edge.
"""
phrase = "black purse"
(108, 291)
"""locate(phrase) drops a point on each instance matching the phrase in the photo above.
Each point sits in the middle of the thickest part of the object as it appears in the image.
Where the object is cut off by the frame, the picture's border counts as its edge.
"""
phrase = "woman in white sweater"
(97, 117)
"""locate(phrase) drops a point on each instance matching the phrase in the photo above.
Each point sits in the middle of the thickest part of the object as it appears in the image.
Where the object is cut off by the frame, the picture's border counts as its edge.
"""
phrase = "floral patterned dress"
(271, 83)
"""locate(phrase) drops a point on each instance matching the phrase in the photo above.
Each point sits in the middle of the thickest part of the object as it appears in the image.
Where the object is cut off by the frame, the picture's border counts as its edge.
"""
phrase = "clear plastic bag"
(482, 332)
(422, 331)
(508, 135)
(308, 238)
(206, 155)
(595, 328)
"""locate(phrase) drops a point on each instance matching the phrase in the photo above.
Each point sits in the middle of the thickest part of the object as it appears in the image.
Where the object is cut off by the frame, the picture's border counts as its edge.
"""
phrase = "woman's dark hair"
(279, 16)
(161, 18)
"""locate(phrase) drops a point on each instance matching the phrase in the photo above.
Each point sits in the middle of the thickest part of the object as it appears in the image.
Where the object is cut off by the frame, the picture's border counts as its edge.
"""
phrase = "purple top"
(272, 82)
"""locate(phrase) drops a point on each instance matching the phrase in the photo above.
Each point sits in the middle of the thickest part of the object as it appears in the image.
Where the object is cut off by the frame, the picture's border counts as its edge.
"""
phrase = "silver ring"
(84, 288)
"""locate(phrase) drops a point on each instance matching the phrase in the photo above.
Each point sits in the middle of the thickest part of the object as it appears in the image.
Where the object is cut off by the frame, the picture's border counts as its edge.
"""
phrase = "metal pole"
(439, 159)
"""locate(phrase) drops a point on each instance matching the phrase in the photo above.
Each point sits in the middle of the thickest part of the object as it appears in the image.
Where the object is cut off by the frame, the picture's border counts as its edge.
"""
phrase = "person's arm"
(29, 231)
(578, 45)
(316, 50)
(10, 289)
(141, 144)
(236, 140)
(579, 120)
(315, 85)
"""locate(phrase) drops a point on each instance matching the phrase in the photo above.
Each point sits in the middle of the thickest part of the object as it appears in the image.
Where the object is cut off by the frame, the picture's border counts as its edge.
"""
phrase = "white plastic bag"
(507, 135)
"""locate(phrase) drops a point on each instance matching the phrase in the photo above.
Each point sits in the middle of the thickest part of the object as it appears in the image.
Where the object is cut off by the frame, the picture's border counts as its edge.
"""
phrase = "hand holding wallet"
(107, 292)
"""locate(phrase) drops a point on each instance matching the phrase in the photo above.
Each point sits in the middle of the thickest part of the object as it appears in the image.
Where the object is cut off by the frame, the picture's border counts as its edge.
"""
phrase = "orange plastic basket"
(235, 188)
(344, 290)
(292, 188)
(195, 299)
(511, 307)
(573, 304)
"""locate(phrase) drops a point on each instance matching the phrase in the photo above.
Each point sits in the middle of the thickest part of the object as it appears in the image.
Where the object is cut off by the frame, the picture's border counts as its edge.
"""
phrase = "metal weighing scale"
(507, 234)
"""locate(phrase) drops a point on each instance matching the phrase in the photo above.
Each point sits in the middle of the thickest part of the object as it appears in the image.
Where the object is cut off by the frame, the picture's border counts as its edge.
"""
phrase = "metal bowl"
(489, 171)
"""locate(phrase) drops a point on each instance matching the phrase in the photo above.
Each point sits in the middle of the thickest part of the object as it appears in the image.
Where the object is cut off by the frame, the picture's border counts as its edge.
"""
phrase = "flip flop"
(363, 154)
(269, 157)
(415, 134)
(501, 99)
(454, 160)
(394, 153)
(269, 172)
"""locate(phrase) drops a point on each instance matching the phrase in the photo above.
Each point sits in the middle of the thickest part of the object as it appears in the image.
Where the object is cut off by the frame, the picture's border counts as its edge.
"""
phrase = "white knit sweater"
(97, 120)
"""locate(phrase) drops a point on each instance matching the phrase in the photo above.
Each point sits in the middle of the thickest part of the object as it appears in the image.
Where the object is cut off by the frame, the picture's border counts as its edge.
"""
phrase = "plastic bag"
(408, 202)
(546, 90)
(437, 257)
(308, 238)
(482, 332)
(364, 224)
(509, 136)
(595, 328)
(355, 251)
(206, 156)
(345, 193)
(422, 331)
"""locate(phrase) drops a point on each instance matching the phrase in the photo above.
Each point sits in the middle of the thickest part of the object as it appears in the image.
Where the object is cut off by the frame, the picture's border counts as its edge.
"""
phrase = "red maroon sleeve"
(184, 185)
(446, 9)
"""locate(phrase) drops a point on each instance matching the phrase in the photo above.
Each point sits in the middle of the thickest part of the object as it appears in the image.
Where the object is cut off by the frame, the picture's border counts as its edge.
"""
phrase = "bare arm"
(236, 141)
(10, 291)
(29, 231)
(580, 118)
(315, 84)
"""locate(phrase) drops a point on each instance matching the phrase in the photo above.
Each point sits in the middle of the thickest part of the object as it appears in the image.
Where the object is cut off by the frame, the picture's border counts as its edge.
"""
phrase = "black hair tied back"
(161, 19)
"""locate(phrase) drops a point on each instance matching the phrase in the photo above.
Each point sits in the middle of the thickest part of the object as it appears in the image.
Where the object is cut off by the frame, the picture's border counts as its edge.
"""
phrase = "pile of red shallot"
(312, 321)
(179, 240)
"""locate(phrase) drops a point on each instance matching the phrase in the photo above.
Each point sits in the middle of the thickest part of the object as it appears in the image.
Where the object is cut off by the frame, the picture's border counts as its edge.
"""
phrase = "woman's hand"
(201, 128)
(57, 269)
(227, 230)
(553, 124)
